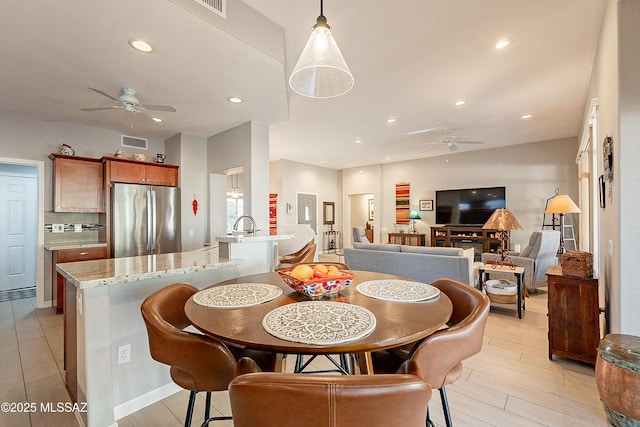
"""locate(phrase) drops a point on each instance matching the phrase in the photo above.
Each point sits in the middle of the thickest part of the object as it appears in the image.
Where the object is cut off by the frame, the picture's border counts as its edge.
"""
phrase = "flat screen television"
(470, 206)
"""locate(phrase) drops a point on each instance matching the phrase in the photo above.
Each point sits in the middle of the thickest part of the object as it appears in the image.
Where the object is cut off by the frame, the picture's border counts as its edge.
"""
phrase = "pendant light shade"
(321, 71)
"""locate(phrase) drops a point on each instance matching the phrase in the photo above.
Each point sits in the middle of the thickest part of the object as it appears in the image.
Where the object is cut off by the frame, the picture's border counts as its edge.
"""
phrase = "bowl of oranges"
(317, 280)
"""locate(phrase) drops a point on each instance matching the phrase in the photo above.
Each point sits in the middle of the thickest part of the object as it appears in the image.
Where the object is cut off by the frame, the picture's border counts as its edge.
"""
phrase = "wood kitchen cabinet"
(137, 172)
(574, 330)
(72, 255)
(77, 184)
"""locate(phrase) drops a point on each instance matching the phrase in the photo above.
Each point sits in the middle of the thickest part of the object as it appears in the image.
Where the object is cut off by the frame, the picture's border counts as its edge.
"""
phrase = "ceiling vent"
(217, 6)
(135, 142)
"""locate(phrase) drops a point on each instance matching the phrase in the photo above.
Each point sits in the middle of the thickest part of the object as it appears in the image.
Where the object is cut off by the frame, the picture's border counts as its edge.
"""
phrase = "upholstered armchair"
(540, 253)
(359, 236)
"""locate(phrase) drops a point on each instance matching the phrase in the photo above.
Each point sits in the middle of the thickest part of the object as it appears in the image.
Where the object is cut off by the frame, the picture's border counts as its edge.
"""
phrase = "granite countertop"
(242, 238)
(103, 272)
(59, 246)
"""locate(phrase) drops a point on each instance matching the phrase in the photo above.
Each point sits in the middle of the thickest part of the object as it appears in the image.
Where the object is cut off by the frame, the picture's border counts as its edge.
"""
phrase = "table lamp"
(562, 204)
(413, 216)
(502, 220)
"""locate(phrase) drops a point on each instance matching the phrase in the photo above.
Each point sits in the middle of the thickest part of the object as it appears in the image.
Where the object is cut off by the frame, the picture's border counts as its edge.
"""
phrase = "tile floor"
(510, 383)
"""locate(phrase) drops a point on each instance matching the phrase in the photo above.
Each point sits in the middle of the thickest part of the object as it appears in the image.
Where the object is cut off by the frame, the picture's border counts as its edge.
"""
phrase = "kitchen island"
(260, 252)
(102, 320)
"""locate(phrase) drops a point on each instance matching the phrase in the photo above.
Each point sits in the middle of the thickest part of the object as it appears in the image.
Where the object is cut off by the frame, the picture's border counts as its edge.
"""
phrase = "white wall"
(616, 88)
(190, 152)
(530, 173)
(289, 178)
(245, 146)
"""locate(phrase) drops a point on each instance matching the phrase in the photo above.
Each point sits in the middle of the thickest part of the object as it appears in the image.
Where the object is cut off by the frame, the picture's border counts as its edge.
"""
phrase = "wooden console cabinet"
(466, 237)
(409, 239)
(574, 330)
(77, 184)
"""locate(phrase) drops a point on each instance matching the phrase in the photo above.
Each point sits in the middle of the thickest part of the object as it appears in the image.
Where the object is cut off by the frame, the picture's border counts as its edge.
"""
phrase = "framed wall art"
(426, 205)
(602, 191)
(607, 157)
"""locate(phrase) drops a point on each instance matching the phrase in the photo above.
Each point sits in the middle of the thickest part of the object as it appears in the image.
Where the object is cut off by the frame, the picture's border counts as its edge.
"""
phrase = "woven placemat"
(398, 290)
(319, 322)
(237, 295)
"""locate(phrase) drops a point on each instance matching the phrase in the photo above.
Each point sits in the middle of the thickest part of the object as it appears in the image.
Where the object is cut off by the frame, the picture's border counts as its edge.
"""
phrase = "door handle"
(149, 214)
(154, 231)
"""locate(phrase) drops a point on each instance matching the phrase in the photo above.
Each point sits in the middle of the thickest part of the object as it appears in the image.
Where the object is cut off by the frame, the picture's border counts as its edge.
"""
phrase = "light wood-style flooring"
(510, 383)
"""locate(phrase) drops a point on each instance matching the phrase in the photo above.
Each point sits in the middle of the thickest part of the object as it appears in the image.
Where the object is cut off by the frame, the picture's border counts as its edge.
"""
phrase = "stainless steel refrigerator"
(145, 219)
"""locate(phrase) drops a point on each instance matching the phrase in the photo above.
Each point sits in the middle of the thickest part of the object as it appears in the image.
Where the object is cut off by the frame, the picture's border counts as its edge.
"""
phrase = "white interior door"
(307, 207)
(18, 231)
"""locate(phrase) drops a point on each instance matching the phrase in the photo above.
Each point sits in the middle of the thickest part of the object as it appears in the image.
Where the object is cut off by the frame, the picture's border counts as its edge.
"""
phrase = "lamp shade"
(562, 204)
(502, 219)
(321, 71)
(414, 215)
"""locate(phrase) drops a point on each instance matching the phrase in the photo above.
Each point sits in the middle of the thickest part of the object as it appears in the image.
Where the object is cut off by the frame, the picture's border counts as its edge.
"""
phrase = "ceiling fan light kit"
(129, 103)
(321, 71)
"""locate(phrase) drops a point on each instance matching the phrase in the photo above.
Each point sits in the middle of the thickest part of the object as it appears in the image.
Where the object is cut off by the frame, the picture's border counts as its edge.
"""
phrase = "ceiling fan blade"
(416, 132)
(104, 94)
(113, 107)
(145, 114)
(158, 107)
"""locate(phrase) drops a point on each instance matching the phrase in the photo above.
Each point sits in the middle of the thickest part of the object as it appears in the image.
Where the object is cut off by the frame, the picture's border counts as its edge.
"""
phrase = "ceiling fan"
(128, 102)
(450, 140)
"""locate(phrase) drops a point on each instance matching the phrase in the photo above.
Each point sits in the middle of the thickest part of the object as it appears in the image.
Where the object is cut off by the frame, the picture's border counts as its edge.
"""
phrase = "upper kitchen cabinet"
(77, 184)
(136, 172)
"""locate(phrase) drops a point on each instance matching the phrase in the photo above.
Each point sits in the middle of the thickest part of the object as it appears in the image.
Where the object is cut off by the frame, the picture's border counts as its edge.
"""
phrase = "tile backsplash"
(63, 227)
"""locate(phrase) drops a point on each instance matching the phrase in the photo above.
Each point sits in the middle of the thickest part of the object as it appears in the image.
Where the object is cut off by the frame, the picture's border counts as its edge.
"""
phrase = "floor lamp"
(502, 220)
(562, 204)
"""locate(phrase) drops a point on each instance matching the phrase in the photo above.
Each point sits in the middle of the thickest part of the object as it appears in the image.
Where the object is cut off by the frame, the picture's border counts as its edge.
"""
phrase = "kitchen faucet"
(253, 223)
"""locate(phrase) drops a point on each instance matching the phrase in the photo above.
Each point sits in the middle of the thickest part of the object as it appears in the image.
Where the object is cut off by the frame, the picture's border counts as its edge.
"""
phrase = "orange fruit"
(333, 271)
(320, 268)
(302, 272)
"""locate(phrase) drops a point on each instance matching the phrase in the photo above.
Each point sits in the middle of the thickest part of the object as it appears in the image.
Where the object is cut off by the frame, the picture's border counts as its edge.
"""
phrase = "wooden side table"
(574, 311)
(487, 269)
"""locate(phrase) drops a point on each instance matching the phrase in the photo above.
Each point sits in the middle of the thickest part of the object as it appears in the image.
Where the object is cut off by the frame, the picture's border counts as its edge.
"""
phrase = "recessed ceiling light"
(459, 102)
(322, 161)
(141, 45)
(156, 119)
(526, 116)
(391, 120)
(501, 44)
(358, 141)
(349, 164)
(234, 100)
(387, 158)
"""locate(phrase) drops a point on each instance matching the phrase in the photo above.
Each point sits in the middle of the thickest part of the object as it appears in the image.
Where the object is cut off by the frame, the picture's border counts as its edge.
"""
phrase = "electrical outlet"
(124, 354)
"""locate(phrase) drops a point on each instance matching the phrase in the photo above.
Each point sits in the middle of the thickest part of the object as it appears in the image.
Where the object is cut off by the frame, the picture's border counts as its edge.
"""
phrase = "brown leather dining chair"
(198, 363)
(305, 256)
(290, 400)
(440, 355)
(295, 255)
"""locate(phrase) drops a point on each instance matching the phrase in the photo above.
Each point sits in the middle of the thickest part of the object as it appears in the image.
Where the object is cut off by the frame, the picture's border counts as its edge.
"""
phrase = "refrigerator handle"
(154, 231)
(149, 219)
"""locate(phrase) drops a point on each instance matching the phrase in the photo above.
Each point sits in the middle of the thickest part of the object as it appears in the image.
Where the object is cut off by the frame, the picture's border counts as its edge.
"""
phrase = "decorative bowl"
(319, 287)
(139, 156)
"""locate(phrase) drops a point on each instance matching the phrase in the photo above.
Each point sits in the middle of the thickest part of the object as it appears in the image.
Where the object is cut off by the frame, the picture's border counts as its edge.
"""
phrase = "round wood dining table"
(397, 323)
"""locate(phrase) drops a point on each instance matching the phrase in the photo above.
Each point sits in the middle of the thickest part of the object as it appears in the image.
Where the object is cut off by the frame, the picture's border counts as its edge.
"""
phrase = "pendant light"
(234, 193)
(321, 71)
